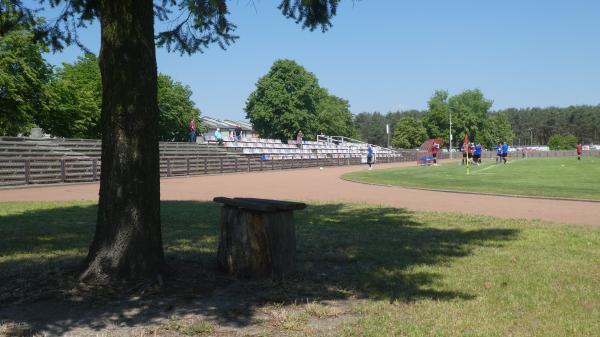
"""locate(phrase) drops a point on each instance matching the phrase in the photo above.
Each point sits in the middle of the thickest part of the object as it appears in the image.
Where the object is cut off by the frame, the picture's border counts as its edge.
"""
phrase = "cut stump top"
(261, 205)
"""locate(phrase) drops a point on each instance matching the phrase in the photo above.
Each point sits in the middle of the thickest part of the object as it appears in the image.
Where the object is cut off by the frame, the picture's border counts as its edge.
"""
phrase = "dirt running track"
(326, 186)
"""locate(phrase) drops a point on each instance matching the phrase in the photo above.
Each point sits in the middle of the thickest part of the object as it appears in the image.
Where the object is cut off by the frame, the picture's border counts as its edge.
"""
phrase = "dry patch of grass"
(189, 326)
(322, 311)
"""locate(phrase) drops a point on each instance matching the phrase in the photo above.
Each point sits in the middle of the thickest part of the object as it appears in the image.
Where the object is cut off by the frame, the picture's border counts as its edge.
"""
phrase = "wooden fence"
(17, 171)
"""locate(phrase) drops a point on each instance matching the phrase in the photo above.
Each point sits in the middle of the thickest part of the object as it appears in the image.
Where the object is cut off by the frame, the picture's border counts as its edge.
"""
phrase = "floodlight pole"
(450, 143)
(387, 131)
(531, 136)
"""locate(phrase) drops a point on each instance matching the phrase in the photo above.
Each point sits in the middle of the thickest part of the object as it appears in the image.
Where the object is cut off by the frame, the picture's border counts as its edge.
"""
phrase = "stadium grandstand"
(324, 147)
(227, 127)
(25, 160)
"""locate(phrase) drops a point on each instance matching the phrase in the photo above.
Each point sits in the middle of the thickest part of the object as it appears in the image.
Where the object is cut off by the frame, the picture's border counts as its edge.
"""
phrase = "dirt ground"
(326, 186)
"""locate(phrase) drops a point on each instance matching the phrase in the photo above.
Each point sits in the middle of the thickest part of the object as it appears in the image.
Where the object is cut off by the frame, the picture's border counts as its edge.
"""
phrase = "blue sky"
(387, 55)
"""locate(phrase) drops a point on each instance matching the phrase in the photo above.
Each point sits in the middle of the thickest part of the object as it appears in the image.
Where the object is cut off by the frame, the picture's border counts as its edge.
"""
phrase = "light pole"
(450, 136)
(387, 131)
(531, 136)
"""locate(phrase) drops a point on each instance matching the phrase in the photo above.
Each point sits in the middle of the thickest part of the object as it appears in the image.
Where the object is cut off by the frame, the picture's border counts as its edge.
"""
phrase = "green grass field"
(362, 271)
(548, 177)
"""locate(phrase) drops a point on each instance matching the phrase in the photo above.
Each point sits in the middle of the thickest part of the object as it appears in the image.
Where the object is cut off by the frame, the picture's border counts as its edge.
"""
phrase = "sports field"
(548, 177)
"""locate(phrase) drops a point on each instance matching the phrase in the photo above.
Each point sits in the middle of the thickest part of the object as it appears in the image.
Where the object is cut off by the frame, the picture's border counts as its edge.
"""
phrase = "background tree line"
(66, 101)
(536, 125)
(471, 111)
(408, 129)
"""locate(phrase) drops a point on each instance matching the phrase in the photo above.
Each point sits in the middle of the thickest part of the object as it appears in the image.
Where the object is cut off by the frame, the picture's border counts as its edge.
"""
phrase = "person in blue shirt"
(498, 153)
(370, 157)
(218, 136)
(504, 152)
(477, 154)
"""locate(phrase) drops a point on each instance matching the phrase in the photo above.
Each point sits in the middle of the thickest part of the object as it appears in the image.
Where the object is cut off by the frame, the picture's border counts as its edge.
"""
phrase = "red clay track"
(326, 186)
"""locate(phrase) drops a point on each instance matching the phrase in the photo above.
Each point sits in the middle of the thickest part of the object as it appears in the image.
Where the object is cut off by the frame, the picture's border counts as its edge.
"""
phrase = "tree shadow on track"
(344, 251)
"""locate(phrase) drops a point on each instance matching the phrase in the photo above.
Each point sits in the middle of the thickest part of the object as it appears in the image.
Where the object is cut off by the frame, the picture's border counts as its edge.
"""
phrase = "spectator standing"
(193, 130)
(579, 150)
(299, 136)
(434, 152)
(238, 133)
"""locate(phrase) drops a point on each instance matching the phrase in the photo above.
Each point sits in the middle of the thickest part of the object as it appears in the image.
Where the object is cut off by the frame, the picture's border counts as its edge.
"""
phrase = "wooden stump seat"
(258, 237)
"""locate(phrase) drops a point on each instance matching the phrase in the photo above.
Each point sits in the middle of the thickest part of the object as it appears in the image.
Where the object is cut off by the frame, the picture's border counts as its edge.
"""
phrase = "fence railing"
(16, 171)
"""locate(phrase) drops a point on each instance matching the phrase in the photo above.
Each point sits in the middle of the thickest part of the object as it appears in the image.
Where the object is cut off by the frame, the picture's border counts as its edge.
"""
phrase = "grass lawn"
(363, 270)
(549, 177)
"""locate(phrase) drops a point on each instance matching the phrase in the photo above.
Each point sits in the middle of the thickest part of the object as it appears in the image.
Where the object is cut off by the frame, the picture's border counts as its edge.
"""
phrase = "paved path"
(326, 186)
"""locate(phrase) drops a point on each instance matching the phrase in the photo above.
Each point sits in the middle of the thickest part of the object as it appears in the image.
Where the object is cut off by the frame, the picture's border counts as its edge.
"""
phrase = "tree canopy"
(288, 98)
(496, 129)
(559, 142)
(409, 133)
(469, 112)
(371, 126)
(469, 109)
(437, 118)
(334, 117)
(75, 101)
(23, 77)
(176, 109)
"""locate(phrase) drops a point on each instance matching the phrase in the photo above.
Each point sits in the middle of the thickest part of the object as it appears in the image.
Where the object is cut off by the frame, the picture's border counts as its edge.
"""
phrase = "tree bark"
(127, 243)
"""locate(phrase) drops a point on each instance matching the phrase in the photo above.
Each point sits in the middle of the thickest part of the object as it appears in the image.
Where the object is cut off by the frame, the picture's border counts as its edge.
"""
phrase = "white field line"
(495, 165)
(487, 168)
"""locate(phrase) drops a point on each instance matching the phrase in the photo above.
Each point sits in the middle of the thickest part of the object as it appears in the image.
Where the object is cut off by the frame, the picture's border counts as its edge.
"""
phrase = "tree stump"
(258, 237)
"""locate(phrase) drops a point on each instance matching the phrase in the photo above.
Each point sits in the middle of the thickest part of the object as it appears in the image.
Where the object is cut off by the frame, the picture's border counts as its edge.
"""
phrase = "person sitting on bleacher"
(218, 136)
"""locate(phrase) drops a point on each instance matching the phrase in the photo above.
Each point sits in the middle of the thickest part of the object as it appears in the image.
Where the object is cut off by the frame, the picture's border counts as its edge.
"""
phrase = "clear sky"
(387, 55)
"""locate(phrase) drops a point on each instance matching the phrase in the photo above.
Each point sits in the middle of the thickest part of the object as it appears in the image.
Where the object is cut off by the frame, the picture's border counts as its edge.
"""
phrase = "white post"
(450, 144)
(387, 131)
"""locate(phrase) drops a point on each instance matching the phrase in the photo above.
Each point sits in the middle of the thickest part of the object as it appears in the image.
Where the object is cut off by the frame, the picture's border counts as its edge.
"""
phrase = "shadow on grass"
(343, 251)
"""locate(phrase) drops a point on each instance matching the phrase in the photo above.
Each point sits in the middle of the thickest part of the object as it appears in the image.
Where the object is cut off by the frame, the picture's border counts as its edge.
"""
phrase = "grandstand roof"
(214, 123)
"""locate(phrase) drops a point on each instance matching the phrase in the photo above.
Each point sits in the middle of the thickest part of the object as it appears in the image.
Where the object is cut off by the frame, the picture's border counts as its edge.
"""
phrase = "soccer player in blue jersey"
(504, 152)
(477, 155)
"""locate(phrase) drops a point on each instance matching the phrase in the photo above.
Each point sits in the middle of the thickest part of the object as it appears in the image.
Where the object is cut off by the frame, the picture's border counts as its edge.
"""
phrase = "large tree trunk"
(127, 244)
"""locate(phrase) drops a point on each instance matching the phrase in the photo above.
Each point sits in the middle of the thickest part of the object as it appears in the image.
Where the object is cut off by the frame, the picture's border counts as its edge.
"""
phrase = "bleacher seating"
(25, 160)
(29, 160)
(271, 149)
